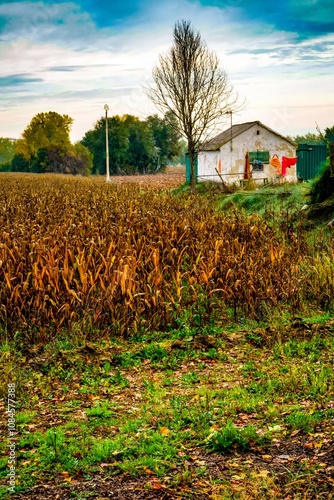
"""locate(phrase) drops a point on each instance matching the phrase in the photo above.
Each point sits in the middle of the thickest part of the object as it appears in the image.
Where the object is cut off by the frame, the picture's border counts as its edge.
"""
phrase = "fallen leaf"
(157, 486)
(66, 477)
(263, 473)
(164, 431)
(239, 477)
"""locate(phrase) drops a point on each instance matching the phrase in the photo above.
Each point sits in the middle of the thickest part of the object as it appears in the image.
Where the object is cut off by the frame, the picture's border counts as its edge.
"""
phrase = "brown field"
(105, 256)
(173, 177)
(155, 347)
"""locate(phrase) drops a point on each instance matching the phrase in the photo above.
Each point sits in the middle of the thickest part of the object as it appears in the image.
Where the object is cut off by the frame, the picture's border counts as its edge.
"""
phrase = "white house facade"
(225, 156)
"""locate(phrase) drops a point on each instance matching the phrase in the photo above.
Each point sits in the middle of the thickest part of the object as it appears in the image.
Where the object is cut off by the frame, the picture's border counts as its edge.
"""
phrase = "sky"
(75, 56)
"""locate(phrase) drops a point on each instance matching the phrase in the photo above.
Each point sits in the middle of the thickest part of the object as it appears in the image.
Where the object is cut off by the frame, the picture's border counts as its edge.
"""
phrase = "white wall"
(233, 161)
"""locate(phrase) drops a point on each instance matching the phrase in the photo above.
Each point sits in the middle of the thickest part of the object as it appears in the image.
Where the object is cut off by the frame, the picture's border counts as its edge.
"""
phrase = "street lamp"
(106, 107)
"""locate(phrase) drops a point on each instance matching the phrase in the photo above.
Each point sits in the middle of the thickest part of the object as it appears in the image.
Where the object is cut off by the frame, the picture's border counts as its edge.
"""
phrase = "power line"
(294, 107)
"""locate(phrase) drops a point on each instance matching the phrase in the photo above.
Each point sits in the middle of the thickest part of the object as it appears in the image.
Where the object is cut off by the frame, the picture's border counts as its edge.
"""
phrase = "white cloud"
(267, 66)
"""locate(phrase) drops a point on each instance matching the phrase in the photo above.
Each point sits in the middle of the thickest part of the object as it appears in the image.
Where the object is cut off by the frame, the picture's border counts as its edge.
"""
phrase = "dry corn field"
(173, 177)
(81, 253)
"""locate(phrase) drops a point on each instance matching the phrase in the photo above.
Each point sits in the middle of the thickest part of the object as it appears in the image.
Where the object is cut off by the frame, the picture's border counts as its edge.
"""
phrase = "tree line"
(189, 87)
(313, 138)
(135, 146)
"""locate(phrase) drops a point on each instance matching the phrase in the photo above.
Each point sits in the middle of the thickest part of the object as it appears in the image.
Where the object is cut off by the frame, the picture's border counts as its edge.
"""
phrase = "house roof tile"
(225, 137)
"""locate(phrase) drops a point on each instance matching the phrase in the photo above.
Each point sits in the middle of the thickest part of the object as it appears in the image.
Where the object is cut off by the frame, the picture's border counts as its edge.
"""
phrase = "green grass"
(231, 438)
(283, 199)
(137, 410)
(303, 421)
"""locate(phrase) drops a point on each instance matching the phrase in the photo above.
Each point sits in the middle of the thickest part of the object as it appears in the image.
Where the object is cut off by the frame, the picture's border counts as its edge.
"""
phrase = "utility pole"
(106, 107)
(231, 141)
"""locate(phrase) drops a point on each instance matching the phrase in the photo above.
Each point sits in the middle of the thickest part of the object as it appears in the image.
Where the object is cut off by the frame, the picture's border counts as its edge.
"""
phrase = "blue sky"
(75, 56)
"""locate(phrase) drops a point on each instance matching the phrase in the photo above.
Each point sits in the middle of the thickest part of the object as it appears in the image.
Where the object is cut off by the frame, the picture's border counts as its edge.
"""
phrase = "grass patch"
(150, 415)
(231, 438)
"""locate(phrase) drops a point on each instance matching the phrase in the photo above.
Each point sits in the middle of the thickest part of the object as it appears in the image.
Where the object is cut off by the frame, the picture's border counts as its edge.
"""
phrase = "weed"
(126, 360)
(231, 438)
(311, 349)
(25, 417)
(153, 352)
(100, 410)
(54, 444)
(212, 353)
(250, 368)
(255, 339)
(304, 421)
(103, 450)
(118, 379)
(320, 381)
(190, 378)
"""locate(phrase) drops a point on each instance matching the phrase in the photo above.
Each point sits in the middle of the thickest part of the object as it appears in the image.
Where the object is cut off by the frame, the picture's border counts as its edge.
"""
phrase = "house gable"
(233, 132)
(224, 156)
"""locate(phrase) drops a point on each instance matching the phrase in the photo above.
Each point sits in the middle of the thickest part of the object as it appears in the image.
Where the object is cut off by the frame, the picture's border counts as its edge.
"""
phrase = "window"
(257, 159)
(259, 155)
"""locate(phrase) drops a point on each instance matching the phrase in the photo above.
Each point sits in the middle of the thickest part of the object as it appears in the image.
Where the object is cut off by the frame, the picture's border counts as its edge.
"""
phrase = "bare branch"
(190, 84)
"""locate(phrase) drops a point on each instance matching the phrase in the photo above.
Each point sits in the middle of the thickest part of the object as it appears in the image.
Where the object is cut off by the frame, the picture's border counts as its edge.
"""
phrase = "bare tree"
(190, 84)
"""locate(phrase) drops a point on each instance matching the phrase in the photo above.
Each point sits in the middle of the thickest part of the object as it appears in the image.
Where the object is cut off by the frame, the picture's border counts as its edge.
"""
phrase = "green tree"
(41, 162)
(309, 138)
(166, 137)
(7, 152)
(118, 133)
(19, 163)
(329, 134)
(45, 130)
(312, 138)
(142, 155)
(94, 141)
(134, 145)
(118, 138)
(84, 158)
(323, 186)
(181, 159)
(76, 161)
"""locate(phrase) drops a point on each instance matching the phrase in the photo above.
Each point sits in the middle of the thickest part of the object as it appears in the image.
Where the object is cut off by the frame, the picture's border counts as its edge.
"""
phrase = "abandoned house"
(247, 151)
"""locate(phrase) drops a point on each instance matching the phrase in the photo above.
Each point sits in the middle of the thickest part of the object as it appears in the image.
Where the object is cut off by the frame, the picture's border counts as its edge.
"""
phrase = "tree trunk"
(192, 157)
